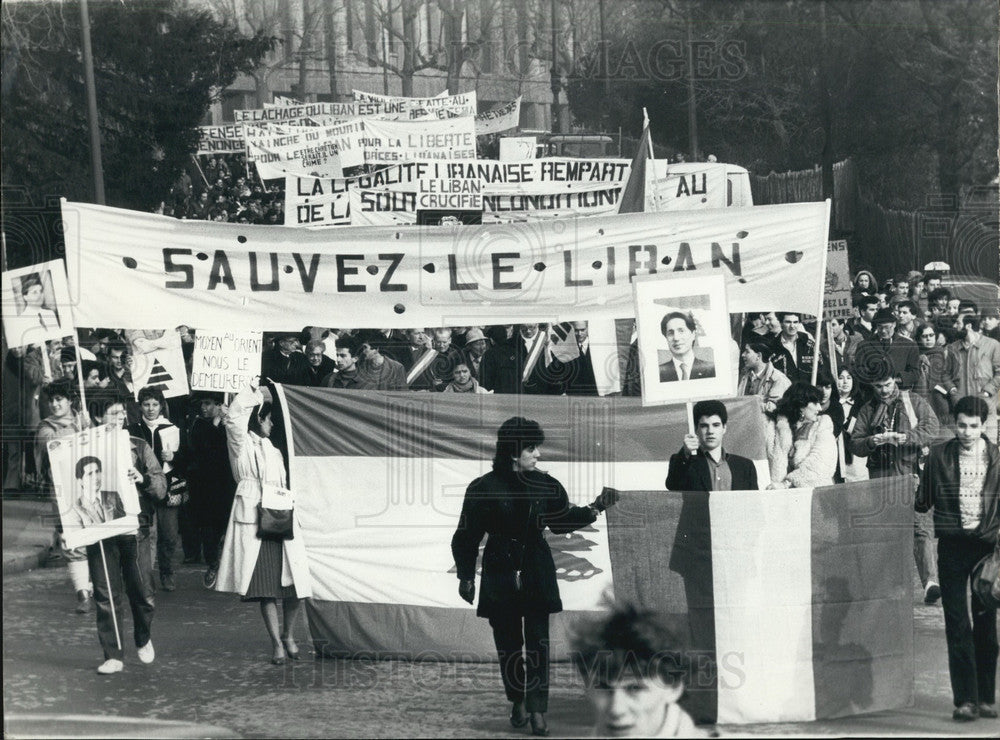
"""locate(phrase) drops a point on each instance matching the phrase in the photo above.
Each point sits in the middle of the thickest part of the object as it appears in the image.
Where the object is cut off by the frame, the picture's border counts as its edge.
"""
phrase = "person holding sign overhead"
(256, 567)
(684, 361)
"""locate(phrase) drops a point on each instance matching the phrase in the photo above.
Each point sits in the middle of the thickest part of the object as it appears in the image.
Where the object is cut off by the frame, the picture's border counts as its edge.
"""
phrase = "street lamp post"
(95, 133)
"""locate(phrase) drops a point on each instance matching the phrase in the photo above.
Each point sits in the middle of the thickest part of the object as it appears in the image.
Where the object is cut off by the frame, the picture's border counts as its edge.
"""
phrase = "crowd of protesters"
(912, 362)
(226, 188)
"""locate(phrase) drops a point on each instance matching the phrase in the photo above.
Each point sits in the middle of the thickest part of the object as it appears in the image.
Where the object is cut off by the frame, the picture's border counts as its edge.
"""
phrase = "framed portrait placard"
(682, 327)
(36, 304)
(90, 476)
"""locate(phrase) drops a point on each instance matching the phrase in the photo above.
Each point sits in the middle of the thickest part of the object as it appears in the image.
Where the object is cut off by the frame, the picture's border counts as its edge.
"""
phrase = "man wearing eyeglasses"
(319, 364)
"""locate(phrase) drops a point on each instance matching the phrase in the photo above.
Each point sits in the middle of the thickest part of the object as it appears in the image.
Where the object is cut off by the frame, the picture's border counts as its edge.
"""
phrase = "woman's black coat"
(514, 509)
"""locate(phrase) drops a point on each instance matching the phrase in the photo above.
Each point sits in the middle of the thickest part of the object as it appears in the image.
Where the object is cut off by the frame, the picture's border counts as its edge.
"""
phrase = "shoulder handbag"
(986, 579)
(275, 511)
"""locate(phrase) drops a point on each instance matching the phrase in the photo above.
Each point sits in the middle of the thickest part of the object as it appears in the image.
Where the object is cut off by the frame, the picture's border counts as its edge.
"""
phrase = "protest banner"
(278, 278)
(225, 361)
(511, 191)
(221, 139)
(502, 118)
(423, 109)
(837, 302)
(513, 208)
(36, 304)
(428, 186)
(685, 186)
(387, 142)
(296, 114)
(322, 152)
(95, 498)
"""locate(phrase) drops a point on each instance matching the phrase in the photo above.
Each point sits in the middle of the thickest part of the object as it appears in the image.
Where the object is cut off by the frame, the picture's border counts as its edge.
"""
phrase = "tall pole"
(385, 61)
(95, 133)
(692, 109)
(604, 50)
(556, 122)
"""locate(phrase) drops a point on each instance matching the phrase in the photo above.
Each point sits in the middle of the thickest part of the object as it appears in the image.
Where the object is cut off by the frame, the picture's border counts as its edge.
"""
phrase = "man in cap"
(284, 363)
(885, 346)
(990, 323)
(475, 347)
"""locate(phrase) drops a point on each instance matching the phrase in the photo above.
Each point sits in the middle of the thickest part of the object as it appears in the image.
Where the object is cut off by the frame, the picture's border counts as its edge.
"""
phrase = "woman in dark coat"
(513, 504)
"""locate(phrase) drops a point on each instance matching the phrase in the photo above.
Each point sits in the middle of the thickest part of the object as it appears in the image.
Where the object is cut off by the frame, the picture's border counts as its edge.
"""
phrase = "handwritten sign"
(837, 296)
(225, 361)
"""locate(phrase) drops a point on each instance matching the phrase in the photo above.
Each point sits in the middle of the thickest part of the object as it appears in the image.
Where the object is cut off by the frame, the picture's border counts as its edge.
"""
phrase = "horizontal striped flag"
(380, 479)
(799, 602)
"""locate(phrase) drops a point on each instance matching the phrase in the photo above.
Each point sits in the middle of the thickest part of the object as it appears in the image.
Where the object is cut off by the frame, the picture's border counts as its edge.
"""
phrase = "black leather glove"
(467, 590)
(608, 497)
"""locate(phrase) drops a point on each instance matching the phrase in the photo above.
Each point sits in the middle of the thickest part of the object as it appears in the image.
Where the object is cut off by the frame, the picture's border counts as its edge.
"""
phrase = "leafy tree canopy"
(158, 66)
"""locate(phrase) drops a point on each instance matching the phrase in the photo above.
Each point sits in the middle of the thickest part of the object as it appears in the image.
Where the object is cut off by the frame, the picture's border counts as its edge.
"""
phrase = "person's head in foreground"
(634, 666)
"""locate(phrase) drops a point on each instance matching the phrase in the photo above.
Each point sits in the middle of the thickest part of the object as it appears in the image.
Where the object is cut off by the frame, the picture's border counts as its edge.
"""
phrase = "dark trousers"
(972, 648)
(212, 532)
(128, 564)
(190, 531)
(167, 536)
(523, 649)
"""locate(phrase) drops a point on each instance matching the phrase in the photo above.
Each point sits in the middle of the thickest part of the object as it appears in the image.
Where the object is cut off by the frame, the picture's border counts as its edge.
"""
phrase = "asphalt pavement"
(212, 669)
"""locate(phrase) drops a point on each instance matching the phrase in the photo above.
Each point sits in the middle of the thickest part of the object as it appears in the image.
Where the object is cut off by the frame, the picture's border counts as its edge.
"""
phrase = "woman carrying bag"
(513, 504)
(258, 566)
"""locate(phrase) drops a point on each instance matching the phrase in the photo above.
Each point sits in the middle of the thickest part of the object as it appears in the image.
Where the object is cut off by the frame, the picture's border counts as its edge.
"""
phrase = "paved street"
(211, 667)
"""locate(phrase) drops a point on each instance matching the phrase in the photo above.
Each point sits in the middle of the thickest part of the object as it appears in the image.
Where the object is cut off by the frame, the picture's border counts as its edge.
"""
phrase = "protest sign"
(388, 142)
(95, 498)
(837, 296)
(225, 361)
(221, 139)
(685, 186)
(157, 360)
(276, 278)
(36, 304)
(423, 109)
(322, 152)
(683, 332)
(499, 119)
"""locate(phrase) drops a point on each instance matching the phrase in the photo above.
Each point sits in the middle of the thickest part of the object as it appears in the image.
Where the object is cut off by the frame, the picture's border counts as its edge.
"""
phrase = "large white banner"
(171, 272)
(296, 114)
(511, 191)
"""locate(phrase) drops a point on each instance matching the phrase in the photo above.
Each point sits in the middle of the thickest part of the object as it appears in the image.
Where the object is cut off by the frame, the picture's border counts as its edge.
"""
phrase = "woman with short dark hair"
(262, 570)
(513, 504)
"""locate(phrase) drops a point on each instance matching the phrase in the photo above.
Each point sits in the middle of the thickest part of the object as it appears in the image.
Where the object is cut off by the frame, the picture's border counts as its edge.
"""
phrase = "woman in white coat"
(801, 448)
(261, 570)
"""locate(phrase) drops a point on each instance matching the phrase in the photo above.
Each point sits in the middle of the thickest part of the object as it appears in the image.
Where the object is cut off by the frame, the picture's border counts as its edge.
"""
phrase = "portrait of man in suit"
(684, 361)
(93, 506)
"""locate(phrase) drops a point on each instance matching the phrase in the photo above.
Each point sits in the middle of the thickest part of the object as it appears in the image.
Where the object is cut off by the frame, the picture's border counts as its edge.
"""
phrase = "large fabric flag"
(380, 480)
(633, 198)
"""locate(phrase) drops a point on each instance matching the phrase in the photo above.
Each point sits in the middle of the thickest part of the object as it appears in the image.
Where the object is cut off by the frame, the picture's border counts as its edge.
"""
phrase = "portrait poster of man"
(36, 304)
(89, 472)
(682, 326)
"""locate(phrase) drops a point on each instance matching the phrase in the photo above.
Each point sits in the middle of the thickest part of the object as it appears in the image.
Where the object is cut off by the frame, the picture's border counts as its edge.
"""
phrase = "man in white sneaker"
(126, 556)
(961, 482)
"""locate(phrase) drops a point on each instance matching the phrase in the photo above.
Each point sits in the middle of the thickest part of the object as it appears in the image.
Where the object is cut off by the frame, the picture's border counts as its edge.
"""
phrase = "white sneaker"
(146, 653)
(110, 666)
